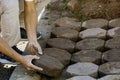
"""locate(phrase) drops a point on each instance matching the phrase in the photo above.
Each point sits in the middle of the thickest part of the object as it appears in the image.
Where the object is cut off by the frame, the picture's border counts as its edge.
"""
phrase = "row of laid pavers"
(92, 23)
(99, 28)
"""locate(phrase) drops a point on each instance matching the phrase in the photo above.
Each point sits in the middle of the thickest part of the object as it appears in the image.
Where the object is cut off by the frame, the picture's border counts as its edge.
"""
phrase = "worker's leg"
(10, 27)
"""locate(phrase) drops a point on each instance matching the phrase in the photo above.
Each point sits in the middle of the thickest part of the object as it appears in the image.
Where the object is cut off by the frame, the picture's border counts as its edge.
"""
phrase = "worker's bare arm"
(24, 60)
(31, 25)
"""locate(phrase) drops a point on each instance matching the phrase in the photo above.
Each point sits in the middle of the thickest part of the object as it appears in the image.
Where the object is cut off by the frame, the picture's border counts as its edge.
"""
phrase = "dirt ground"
(108, 9)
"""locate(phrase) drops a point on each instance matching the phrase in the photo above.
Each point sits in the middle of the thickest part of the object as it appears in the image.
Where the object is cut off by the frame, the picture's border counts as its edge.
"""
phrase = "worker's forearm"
(8, 51)
(30, 20)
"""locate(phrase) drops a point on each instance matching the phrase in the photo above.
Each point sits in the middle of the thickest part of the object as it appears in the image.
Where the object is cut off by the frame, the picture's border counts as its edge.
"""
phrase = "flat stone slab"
(81, 78)
(95, 23)
(62, 32)
(114, 23)
(90, 44)
(82, 69)
(110, 77)
(62, 55)
(114, 32)
(113, 43)
(93, 33)
(51, 66)
(92, 56)
(61, 43)
(20, 73)
(111, 55)
(110, 68)
(69, 22)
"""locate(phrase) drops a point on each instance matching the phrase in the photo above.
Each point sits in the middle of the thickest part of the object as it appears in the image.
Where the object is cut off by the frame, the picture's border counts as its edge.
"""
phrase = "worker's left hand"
(34, 47)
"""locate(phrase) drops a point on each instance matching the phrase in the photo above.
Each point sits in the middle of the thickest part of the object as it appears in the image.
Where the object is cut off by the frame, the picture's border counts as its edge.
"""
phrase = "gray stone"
(82, 69)
(95, 23)
(93, 33)
(81, 78)
(113, 43)
(114, 23)
(90, 44)
(87, 56)
(110, 77)
(62, 32)
(20, 73)
(51, 66)
(109, 68)
(111, 55)
(62, 44)
(114, 32)
(69, 22)
(62, 55)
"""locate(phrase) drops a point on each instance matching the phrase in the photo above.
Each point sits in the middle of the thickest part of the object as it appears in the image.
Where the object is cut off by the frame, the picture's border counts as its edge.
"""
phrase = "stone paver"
(20, 73)
(95, 23)
(114, 23)
(110, 77)
(111, 55)
(114, 32)
(87, 56)
(109, 68)
(62, 44)
(62, 55)
(82, 69)
(91, 43)
(113, 43)
(69, 22)
(62, 32)
(81, 78)
(93, 33)
(51, 66)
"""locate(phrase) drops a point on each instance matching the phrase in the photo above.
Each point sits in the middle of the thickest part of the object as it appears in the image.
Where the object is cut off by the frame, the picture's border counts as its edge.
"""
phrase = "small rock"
(93, 33)
(90, 44)
(74, 5)
(51, 66)
(62, 44)
(95, 23)
(69, 22)
(62, 55)
(62, 32)
(114, 32)
(92, 56)
(109, 68)
(112, 55)
(114, 23)
(81, 78)
(113, 43)
(82, 69)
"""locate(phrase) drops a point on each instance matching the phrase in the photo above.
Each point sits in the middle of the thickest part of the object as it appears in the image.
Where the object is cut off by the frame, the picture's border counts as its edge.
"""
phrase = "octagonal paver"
(82, 69)
(87, 56)
(62, 32)
(90, 44)
(93, 33)
(95, 23)
(62, 44)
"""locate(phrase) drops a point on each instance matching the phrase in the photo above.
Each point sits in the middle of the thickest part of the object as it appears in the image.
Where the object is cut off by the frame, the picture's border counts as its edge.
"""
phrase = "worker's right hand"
(27, 62)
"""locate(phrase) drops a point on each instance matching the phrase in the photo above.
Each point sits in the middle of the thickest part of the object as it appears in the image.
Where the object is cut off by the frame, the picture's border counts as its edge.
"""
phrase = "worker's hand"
(34, 47)
(27, 62)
